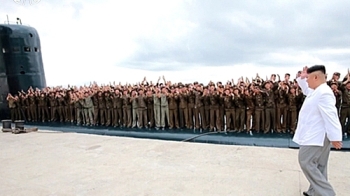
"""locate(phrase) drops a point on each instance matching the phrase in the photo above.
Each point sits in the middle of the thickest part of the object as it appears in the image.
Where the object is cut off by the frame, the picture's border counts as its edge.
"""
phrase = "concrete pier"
(57, 163)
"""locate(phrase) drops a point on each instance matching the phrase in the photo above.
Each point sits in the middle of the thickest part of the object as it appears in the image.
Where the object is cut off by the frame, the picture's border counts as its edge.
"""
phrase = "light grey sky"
(185, 40)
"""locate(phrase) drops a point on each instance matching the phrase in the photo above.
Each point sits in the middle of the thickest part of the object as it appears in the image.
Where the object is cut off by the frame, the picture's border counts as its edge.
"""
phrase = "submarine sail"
(21, 64)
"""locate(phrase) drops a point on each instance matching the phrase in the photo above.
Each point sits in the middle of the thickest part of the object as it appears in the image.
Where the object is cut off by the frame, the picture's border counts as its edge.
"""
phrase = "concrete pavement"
(56, 163)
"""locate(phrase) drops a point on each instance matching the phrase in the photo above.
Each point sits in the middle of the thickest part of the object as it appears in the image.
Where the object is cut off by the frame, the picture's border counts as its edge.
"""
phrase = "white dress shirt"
(318, 116)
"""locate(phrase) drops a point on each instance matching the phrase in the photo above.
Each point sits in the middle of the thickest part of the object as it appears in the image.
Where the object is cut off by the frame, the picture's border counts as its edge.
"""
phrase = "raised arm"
(302, 82)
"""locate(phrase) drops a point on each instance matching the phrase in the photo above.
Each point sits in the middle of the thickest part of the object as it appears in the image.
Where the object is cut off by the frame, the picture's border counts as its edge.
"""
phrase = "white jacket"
(318, 116)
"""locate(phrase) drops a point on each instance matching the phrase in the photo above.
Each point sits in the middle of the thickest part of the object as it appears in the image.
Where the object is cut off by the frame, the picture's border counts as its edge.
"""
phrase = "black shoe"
(306, 194)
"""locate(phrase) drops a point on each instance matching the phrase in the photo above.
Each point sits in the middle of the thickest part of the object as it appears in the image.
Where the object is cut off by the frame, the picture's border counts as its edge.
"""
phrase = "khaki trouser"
(173, 118)
(230, 119)
(142, 117)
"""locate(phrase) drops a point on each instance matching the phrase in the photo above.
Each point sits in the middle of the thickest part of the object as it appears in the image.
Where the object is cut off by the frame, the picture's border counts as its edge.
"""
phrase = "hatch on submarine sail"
(21, 64)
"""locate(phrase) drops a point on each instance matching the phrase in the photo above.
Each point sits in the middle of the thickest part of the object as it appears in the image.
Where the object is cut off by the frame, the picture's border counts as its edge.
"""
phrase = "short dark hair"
(314, 68)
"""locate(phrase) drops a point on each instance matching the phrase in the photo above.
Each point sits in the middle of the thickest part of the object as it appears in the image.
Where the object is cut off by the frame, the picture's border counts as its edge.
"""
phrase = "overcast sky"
(190, 40)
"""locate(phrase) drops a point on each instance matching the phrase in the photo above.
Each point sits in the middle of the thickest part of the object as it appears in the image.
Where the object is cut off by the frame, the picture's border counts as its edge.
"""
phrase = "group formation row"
(261, 106)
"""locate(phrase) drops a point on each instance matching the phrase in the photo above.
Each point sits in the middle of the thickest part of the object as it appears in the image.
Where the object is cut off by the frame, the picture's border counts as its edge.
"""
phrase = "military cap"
(334, 83)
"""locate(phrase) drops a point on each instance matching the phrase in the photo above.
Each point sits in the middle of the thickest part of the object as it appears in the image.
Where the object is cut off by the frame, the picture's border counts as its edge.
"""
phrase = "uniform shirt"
(318, 116)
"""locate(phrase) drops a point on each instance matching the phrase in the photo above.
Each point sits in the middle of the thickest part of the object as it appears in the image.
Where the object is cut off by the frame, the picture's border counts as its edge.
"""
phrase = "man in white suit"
(318, 128)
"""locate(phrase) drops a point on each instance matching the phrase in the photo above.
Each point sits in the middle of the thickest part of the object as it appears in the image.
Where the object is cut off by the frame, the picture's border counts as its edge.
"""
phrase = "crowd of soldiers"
(259, 105)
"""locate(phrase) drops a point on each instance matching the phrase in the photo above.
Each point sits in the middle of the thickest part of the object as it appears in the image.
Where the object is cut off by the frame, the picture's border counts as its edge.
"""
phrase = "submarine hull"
(21, 64)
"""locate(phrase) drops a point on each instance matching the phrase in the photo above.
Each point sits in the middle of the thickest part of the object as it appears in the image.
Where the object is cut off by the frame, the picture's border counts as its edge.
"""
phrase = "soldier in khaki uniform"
(240, 109)
(101, 108)
(190, 106)
(164, 107)
(173, 109)
(270, 107)
(109, 107)
(88, 109)
(42, 107)
(53, 106)
(282, 107)
(127, 118)
(199, 109)
(18, 110)
(206, 102)
(150, 107)
(96, 109)
(135, 107)
(117, 108)
(249, 102)
(337, 94)
(215, 120)
(32, 107)
(345, 106)
(293, 98)
(142, 109)
(70, 103)
(229, 110)
(61, 102)
(183, 108)
(11, 103)
(259, 113)
(156, 104)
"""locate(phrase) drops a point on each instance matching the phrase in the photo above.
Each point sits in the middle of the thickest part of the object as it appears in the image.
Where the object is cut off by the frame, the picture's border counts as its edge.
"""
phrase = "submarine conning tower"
(21, 64)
